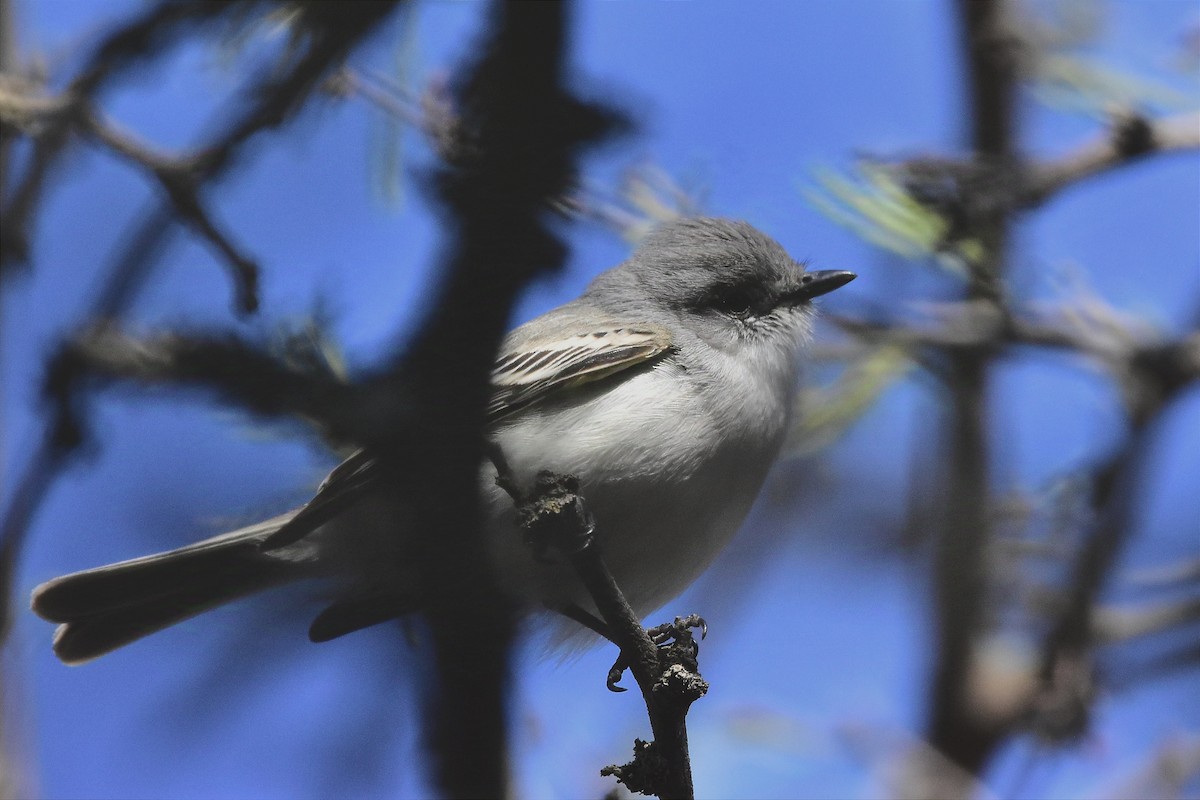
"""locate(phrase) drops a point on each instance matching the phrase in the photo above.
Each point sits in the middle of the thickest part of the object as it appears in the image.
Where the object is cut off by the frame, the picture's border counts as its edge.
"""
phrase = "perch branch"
(554, 515)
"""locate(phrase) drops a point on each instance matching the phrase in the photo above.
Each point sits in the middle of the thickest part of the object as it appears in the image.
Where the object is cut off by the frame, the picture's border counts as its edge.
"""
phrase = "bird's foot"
(676, 645)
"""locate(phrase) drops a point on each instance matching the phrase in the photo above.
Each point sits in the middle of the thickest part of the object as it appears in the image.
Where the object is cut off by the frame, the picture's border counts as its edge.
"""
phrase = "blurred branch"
(10, 64)
(646, 196)
(181, 179)
(959, 211)
(128, 46)
(962, 526)
(178, 176)
(1130, 139)
(936, 207)
(1115, 490)
(14, 780)
(1112, 625)
(993, 52)
(521, 132)
(239, 372)
(1178, 573)
(1136, 360)
(271, 100)
(1152, 373)
(432, 112)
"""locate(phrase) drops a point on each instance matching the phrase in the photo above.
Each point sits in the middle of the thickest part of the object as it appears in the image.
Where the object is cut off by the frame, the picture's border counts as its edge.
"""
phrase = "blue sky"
(746, 99)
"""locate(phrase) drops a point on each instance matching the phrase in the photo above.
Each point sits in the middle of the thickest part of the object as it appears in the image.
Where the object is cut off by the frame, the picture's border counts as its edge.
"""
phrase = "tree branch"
(1131, 138)
(144, 38)
(554, 515)
(179, 178)
(963, 529)
(523, 132)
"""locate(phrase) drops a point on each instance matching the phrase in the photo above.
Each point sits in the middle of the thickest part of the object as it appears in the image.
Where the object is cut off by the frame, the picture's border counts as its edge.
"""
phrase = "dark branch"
(127, 47)
(523, 133)
(554, 515)
(963, 530)
(181, 182)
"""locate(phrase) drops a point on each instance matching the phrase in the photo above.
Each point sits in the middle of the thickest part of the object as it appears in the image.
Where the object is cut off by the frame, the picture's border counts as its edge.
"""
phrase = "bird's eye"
(734, 301)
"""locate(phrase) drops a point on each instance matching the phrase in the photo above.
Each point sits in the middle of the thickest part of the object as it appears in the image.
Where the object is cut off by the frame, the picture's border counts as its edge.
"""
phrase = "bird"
(666, 389)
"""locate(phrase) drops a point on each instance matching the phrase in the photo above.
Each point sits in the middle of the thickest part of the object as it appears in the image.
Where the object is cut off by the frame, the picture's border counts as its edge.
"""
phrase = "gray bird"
(666, 388)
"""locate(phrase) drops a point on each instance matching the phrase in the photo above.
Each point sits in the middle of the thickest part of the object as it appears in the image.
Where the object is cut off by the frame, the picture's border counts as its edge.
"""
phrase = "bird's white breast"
(669, 461)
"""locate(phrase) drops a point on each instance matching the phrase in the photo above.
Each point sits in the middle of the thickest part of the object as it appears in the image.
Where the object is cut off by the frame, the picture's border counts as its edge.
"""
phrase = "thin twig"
(179, 180)
(1136, 360)
(128, 46)
(1131, 138)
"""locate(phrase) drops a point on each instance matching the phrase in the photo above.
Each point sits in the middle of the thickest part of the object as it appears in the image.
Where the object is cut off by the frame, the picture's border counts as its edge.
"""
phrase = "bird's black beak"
(815, 284)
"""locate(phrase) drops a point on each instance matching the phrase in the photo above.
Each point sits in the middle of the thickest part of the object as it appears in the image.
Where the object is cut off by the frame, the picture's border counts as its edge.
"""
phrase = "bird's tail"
(108, 607)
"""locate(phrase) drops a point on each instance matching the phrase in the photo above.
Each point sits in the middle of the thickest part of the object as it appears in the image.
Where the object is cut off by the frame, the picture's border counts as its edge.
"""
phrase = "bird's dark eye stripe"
(733, 299)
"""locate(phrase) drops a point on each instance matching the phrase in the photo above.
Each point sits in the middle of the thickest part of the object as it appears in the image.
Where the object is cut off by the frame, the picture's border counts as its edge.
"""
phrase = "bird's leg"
(504, 476)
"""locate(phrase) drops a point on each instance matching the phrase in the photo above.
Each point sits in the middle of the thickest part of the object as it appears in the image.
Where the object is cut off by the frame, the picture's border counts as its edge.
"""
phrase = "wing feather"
(539, 369)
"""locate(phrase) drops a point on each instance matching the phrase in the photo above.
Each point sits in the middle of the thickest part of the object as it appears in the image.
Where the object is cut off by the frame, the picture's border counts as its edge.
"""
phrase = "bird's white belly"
(668, 478)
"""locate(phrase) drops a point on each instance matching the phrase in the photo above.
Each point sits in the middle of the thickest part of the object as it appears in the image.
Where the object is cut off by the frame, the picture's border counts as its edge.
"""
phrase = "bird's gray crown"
(698, 264)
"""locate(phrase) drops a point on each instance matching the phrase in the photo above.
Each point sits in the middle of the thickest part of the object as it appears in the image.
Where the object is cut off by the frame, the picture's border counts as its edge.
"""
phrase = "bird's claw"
(615, 673)
(663, 635)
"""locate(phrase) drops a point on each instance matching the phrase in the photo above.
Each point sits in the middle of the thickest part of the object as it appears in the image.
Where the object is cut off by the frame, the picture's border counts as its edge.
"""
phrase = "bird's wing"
(530, 369)
(535, 362)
